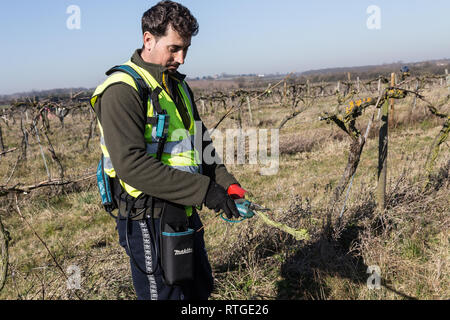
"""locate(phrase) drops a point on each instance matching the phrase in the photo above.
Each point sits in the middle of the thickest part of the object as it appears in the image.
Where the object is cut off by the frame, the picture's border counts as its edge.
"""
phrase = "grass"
(409, 241)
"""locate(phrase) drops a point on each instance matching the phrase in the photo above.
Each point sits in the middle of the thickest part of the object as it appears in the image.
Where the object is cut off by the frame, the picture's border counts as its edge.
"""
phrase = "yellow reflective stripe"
(149, 128)
(189, 211)
(114, 78)
(129, 189)
(111, 172)
(181, 159)
(93, 100)
(105, 151)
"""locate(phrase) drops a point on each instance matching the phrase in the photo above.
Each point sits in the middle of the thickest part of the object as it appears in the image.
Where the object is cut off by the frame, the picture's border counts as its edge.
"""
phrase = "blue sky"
(39, 52)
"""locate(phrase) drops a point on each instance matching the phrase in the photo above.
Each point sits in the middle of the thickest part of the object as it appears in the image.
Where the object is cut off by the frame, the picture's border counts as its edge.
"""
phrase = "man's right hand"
(217, 199)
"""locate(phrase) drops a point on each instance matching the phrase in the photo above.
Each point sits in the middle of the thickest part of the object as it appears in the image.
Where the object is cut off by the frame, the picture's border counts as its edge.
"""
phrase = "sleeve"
(217, 172)
(123, 120)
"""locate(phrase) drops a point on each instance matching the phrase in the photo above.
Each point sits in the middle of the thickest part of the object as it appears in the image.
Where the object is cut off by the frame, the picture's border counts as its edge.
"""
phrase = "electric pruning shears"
(246, 210)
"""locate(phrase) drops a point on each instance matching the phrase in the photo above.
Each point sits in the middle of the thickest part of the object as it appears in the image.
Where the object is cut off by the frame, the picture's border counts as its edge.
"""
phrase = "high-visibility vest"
(179, 152)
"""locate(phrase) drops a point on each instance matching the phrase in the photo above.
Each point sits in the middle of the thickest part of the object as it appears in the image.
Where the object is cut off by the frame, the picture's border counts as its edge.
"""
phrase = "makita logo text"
(184, 251)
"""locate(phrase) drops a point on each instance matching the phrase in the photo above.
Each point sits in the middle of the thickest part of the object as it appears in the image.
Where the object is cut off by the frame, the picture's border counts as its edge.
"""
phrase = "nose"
(180, 56)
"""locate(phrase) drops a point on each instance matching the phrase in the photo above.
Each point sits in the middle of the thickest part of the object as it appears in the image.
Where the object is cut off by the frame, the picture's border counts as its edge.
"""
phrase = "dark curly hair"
(165, 13)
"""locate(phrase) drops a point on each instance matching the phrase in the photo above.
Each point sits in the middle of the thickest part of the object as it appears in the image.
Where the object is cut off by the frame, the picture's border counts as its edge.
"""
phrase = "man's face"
(169, 50)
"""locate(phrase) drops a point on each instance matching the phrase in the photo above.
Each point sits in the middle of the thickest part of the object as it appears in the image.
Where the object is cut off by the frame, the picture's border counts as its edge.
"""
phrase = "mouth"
(173, 67)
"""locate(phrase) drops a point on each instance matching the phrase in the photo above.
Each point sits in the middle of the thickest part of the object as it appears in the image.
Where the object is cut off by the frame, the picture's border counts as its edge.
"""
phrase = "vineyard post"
(349, 85)
(391, 101)
(203, 106)
(42, 151)
(240, 117)
(24, 140)
(250, 110)
(448, 79)
(379, 85)
(2, 146)
(4, 242)
(415, 97)
(382, 156)
(284, 92)
(357, 84)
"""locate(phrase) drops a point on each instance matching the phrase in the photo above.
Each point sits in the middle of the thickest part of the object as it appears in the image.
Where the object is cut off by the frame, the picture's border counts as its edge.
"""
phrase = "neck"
(145, 56)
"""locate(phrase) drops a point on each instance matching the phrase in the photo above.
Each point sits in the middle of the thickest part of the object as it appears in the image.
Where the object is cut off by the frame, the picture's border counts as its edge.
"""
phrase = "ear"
(149, 41)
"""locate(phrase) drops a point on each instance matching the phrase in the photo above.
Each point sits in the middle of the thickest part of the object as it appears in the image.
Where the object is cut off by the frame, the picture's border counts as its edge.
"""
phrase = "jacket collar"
(155, 70)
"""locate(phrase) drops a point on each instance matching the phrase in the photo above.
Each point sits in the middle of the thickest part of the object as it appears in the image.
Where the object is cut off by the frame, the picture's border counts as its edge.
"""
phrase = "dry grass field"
(409, 241)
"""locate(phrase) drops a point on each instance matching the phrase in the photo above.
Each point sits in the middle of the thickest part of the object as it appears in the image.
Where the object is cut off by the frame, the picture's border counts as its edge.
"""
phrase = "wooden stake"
(203, 106)
(2, 146)
(415, 97)
(42, 151)
(448, 79)
(349, 86)
(391, 101)
(240, 118)
(382, 157)
(4, 241)
(249, 110)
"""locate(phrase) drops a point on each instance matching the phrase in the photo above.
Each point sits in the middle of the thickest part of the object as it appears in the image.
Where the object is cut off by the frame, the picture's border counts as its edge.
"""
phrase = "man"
(172, 181)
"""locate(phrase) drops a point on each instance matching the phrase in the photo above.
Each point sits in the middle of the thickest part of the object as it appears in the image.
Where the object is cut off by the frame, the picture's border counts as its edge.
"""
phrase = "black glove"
(217, 199)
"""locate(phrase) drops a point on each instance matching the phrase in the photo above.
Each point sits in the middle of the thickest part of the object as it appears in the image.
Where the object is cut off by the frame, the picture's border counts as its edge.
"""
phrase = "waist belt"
(139, 208)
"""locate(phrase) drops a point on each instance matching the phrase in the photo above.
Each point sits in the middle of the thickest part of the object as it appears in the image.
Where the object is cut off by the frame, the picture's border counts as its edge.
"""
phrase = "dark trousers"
(152, 287)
